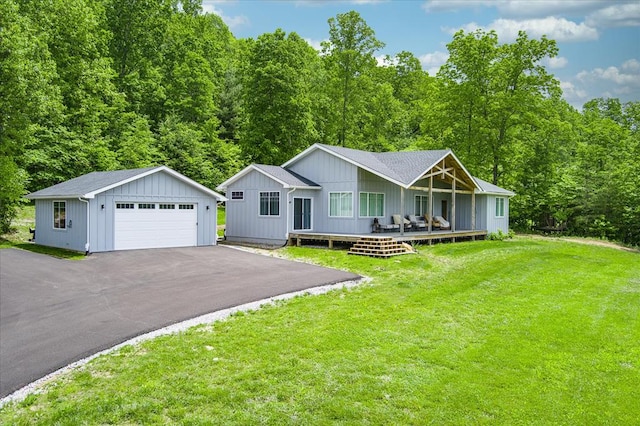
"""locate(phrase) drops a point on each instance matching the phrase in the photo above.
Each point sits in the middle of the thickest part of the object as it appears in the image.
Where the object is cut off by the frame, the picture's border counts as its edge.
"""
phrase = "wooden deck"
(297, 238)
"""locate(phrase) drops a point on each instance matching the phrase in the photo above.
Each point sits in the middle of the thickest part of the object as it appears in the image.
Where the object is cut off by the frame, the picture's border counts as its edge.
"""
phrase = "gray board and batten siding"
(155, 186)
(244, 223)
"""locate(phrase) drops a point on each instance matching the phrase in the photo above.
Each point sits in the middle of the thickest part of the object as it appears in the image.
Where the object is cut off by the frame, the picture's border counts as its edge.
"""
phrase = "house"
(126, 209)
(340, 191)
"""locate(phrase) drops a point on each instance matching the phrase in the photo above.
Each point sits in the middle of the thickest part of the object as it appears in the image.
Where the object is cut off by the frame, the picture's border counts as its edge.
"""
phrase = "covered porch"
(449, 179)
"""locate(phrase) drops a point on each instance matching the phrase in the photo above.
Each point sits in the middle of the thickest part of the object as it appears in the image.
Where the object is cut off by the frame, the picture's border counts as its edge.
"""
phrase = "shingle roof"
(491, 188)
(288, 177)
(404, 166)
(88, 185)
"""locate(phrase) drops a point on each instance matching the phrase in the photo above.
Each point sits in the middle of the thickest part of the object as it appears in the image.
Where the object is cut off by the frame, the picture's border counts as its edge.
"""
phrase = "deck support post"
(402, 210)
(430, 204)
(453, 202)
(473, 210)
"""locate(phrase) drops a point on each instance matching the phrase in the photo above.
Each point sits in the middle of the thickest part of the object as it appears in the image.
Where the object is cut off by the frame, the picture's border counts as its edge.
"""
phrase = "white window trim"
(384, 196)
(53, 217)
(237, 199)
(279, 205)
(329, 205)
(504, 207)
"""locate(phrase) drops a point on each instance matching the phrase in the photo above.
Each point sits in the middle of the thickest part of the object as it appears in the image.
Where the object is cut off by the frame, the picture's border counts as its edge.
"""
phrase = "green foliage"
(278, 99)
(109, 84)
(500, 235)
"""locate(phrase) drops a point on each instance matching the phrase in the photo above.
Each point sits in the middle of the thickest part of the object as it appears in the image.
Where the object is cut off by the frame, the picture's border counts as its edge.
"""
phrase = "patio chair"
(416, 222)
(398, 220)
(444, 224)
(383, 227)
(434, 223)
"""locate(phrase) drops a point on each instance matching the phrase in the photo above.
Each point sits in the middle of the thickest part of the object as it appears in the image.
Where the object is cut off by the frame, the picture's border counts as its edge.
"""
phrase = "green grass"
(20, 235)
(514, 332)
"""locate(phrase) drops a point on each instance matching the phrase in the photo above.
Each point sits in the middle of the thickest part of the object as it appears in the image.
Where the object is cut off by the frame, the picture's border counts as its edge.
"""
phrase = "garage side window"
(237, 195)
(59, 215)
(269, 204)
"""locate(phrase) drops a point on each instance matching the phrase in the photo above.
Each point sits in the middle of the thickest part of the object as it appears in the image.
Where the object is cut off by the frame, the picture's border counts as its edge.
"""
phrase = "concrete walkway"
(54, 312)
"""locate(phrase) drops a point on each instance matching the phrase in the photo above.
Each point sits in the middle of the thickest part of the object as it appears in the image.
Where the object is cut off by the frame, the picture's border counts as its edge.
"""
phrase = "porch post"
(453, 202)
(473, 209)
(430, 203)
(402, 210)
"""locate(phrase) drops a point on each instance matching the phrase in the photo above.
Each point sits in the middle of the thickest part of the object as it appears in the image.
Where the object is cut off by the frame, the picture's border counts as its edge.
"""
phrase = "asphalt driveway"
(54, 312)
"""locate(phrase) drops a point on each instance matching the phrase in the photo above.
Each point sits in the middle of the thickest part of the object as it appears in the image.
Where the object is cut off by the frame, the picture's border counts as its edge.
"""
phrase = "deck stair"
(380, 247)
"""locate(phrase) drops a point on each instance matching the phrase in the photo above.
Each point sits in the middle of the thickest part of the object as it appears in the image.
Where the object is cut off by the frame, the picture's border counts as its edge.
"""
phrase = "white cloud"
(432, 62)
(617, 15)
(519, 8)
(572, 94)
(622, 82)
(612, 74)
(558, 29)
(316, 44)
(555, 63)
(210, 6)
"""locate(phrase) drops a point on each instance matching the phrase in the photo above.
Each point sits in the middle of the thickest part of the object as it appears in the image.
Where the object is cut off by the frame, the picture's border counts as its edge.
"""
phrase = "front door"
(444, 210)
(301, 213)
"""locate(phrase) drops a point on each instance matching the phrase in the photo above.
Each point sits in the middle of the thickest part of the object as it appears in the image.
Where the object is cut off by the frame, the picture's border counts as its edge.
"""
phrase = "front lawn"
(515, 332)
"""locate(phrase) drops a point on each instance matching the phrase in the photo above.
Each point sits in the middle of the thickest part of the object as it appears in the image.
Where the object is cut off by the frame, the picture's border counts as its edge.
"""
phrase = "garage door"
(155, 225)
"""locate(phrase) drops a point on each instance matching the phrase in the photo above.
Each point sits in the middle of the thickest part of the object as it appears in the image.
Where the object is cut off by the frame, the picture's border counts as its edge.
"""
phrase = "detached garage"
(155, 207)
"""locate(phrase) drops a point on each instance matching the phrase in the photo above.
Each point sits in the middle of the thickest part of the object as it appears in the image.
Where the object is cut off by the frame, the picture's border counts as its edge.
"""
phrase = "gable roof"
(403, 168)
(490, 188)
(284, 177)
(91, 184)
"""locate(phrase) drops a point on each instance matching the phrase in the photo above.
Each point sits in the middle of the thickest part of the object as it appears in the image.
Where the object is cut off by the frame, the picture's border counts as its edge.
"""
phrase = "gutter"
(288, 203)
(87, 246)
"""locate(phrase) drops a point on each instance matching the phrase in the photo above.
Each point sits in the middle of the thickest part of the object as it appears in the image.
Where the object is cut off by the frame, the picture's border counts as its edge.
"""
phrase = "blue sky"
(599, 41)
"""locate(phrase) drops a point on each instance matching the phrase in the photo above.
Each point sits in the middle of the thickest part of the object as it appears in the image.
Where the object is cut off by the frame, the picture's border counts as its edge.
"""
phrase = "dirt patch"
(588, 241)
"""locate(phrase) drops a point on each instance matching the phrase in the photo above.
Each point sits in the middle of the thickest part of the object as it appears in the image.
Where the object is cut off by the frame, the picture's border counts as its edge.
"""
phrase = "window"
(340, 204)
(146, 206)
(166, 206)
(185, 206)
(237, 195)
(499, 207)
(59, 215)
(124, 205)
(371, 204)
(269, 204)
(421, 205)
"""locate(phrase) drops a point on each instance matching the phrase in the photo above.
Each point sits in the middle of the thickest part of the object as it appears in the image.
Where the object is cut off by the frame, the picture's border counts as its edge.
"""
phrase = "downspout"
(87, 246)
(288, 203)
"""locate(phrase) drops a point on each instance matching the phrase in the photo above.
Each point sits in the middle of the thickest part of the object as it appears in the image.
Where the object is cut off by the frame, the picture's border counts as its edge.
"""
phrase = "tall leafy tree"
(491, 89)
(278, 98)
(29, 101)
(349, 55)
(138, 30)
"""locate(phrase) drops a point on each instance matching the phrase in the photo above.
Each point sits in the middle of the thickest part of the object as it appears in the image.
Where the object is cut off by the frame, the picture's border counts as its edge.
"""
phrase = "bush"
(500, 235)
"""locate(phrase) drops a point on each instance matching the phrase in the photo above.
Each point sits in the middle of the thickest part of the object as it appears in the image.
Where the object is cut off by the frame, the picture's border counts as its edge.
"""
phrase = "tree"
(29, 101)
(349, 55)
(277, 99)
(491, 89)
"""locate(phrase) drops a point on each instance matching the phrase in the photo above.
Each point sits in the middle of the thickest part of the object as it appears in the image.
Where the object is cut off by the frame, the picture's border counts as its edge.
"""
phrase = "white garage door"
(155, 225)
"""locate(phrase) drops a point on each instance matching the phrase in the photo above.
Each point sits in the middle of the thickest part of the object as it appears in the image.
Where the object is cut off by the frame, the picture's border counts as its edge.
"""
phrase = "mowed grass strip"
(514, 332)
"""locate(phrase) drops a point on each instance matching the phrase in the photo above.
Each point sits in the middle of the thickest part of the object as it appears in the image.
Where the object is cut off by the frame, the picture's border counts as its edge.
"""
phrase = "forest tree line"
(90, 85)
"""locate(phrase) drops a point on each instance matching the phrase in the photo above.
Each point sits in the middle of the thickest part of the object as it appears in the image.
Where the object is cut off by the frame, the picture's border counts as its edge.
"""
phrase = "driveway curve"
(54, 312)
